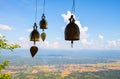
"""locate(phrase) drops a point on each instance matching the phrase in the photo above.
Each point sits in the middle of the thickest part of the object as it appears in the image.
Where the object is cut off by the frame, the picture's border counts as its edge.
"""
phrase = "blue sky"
(99, 22)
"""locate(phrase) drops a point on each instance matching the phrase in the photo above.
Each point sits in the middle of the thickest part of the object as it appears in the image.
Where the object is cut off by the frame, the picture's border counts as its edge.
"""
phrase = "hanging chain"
(73, 7)
(44, 7)
(36, 11)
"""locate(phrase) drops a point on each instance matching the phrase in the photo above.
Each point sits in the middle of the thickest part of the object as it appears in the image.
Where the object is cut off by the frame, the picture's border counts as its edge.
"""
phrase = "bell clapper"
(43, 30)
(34, 43)
(72, 44)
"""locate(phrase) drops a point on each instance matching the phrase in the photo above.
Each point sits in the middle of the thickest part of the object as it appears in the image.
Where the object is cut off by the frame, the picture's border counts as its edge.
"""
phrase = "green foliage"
(5, 45)
(5, 76)
(4, 64)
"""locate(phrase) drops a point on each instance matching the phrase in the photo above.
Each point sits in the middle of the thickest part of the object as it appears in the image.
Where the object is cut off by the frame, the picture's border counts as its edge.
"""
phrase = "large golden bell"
(34, 36)
(43, 23)
(72, 32)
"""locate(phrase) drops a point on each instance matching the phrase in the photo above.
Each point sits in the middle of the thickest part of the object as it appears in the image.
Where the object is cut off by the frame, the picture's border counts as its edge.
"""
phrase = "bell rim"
(72, 40)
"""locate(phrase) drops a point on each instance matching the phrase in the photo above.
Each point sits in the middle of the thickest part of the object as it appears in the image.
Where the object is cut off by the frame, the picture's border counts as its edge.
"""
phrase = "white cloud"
(25, 45)
(78, 23)
(85, 42)
(66, 16)
(58, 38)
(24, 42)
(22, 39)
(83, 33)
(111, 44)
(101, 37)
(29, 30)
(1, 35)
(56, 45)
(118, 43)
(52, 45)
(5, 27)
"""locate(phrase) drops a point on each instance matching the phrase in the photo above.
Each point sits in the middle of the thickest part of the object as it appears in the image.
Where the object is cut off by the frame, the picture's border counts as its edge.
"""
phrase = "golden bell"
(34, 36)
(72, 32)
(43, 23)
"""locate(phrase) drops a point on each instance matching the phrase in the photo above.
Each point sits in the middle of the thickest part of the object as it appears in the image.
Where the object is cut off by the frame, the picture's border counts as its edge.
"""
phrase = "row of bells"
(72, 33)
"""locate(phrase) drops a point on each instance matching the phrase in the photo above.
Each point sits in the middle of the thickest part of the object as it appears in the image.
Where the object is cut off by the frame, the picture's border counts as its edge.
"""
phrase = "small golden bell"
(43, 23)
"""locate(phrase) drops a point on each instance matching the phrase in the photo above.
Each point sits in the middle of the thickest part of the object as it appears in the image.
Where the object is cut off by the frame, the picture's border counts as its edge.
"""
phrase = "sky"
(98, 21)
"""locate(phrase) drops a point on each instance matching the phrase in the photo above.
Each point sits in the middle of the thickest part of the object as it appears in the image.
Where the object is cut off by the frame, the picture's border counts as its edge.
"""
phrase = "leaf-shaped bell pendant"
(43, 36)
(34, 36)
(43, 23)
(33, 50)
(72, 32)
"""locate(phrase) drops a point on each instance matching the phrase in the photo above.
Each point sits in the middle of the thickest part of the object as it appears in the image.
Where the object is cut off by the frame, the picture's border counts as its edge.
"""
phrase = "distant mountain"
(45, 56)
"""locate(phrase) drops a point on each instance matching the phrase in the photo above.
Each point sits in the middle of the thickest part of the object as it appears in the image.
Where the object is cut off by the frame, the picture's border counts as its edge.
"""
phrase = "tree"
(4, 45)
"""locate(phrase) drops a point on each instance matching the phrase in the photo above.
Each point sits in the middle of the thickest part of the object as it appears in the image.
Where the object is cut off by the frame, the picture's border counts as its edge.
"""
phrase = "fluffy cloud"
(101, 37)
(113, 44)
(85, 42)
(26, 44)
(51, 45)
(1, 35)
(104, 45)
(58, 38)
(118, 43)
(83, 33)
(22, 39)
(5, 27)
(66, 16)
(29, 30)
